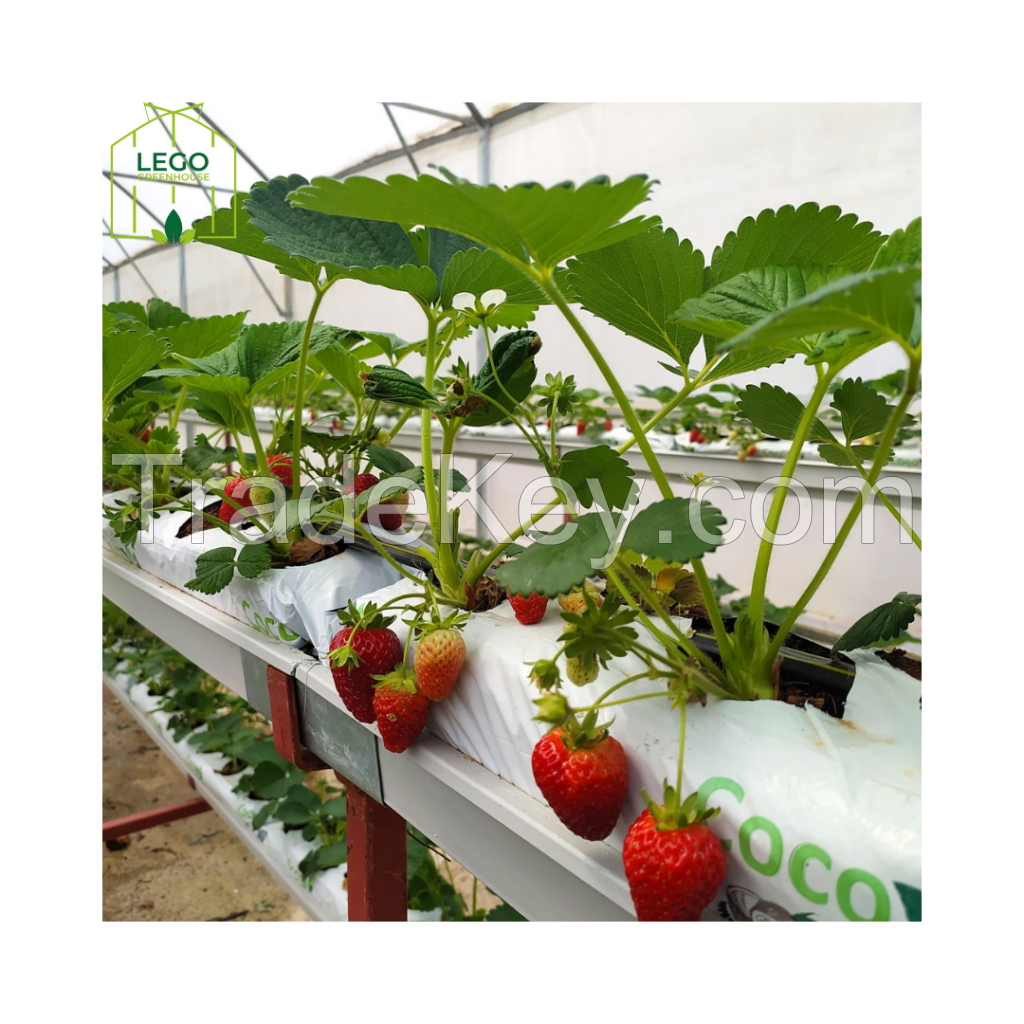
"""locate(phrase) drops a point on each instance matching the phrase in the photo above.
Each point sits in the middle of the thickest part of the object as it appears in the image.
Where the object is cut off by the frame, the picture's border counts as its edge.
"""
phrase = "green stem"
(382, 551)
(907, 528)
(631, 679)
(711, 604)
(844, 531)
(547, 283)
(402, 420)
(767, 546)
(444, 547)
(178, 406)
(496, 551)
(682, 745)
(680, 638)
(261, 457)
(624, 700)
(666, 409)
(512, 419)
(445, 568)
(300, 381)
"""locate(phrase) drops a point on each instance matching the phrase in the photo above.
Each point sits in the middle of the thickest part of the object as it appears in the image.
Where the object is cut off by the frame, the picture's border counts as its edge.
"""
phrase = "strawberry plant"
(803, 282)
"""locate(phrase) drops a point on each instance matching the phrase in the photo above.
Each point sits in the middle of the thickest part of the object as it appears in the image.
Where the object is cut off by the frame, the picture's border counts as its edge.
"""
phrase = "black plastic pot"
(399, 552)
(808, 669)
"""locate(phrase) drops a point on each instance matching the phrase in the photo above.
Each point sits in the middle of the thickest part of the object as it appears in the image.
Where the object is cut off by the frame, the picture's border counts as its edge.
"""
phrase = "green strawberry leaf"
(637, 284)
(260, 818)
(855, 455)
(214, 571)
(902, 248)
(396, 387)
(777, 413)
(161, 314)
(879, 304)
(513, 356)
(668, 530)
(734, 305)
(291, 812)
(253, 560)
(477, 271)
(232, 229)
(389, 461)
(601, 465)
(333, 855)
(373, 251)
(863, 410)
(128, 354)
(524, 222)
(796, 237)
(555, 568)
(885, 622)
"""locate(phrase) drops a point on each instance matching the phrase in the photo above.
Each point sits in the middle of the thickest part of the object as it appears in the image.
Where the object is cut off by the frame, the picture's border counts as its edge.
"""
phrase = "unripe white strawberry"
(574, 601)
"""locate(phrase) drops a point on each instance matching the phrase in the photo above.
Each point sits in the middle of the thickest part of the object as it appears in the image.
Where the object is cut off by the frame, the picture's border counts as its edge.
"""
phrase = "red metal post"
(149, 819)
(284, 713)
(377, 885)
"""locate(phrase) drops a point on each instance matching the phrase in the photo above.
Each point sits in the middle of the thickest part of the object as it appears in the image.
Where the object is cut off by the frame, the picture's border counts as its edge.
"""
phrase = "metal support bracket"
(150, 819)
(284, 713)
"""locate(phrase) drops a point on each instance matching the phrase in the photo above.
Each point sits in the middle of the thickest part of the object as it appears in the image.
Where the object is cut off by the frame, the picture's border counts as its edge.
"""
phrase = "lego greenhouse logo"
(176, 149)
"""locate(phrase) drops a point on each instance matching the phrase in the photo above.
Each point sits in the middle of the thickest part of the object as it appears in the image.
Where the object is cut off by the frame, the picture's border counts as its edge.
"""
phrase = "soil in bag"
(808, 673)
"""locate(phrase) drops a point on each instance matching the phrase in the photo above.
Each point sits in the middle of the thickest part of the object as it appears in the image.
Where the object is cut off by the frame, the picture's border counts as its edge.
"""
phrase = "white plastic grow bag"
(292, 605)
(822, 816)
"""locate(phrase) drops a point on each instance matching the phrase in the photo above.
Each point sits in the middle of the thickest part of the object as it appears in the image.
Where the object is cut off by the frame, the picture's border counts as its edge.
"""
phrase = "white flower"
(468, 303)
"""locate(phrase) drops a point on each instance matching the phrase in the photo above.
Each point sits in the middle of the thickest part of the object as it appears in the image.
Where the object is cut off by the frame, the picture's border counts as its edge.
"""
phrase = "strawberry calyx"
(552, 708)
(401, 677)
(583, 735)
(457, 620)
(369, 618)
(544, 674)
(671, 814)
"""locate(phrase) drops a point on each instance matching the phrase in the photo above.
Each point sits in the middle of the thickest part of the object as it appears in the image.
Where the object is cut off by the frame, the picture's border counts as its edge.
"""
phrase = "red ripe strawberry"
(389, 516)
(374, 650)
(701, 439)
(580, 427)
(361, 483)
(144, 436)
(528, 609)
(281, 467)
(400, 708)
(440, 654)
(674, 863)
(581, 771)
(607, 424)
(549, 423)
(694, 434)
(226, 510)
(752, 450)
